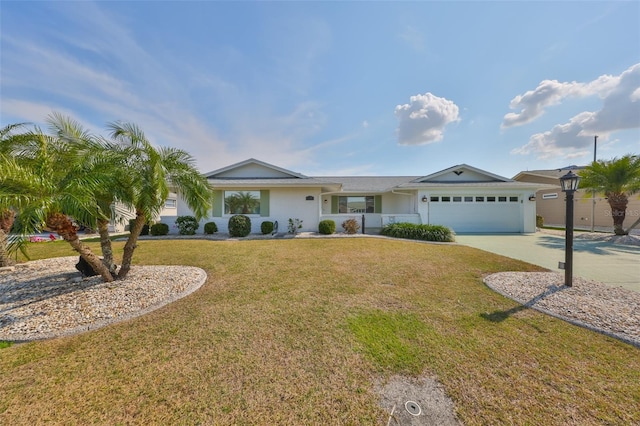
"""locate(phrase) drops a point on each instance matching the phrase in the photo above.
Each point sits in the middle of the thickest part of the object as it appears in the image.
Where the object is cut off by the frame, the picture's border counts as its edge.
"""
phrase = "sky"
(336, 88)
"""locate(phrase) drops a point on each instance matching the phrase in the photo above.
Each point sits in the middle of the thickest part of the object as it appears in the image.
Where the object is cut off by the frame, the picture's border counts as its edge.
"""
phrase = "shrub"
(419, 232)
(350, 226)
(145, 227)
(239, 225)
(539, 221)
(266, 227)
(187, 225)
(327, 227)
(294, 225)
(159, 229)
(210, 228)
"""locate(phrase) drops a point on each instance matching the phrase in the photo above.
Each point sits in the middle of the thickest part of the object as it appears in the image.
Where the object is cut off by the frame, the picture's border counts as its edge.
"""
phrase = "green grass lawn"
(298, 331)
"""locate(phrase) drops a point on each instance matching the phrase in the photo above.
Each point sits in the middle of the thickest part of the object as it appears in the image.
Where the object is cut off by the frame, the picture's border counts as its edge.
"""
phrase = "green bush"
(419, 232)
(350, 226)
(145, 227)
(210, 228)
(266, 227)
(239, 225)
(187, 225)
(539, 221)
(294, 225)
(159, 229)
(327, 227)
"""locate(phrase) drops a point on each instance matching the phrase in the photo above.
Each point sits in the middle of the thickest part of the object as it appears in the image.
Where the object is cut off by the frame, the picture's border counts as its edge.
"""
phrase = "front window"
(242, 202)
(356, 204)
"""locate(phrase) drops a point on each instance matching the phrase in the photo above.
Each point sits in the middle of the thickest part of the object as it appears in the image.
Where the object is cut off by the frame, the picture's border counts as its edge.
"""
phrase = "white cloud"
(620, 111)
(564, 140)
(532, 104)
(424, 119)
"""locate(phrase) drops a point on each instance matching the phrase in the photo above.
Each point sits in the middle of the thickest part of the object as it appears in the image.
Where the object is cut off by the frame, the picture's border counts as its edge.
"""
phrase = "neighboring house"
(551, 201)
(464, 198)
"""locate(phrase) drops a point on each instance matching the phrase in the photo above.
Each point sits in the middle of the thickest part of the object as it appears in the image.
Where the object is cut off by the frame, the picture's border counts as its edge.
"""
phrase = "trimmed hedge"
(239, 225)
(158, 229)
(412, 231)
(327, 227)
(266, 227)
(210, 228)
(187, 225)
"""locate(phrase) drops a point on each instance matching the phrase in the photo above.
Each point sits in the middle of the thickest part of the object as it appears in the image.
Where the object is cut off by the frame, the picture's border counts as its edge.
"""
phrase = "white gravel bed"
(49, 298)
(614, 311)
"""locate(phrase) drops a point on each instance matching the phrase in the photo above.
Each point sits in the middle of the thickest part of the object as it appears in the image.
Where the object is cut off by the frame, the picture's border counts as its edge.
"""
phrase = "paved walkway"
(616, 265)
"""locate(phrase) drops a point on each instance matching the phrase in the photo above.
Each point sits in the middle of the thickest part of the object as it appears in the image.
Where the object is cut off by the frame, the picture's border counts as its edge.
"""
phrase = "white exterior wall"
(291, 203)
(284, 203)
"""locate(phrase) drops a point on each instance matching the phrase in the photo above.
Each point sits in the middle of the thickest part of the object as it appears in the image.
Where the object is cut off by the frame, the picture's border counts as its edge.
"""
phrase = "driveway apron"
(616, 265)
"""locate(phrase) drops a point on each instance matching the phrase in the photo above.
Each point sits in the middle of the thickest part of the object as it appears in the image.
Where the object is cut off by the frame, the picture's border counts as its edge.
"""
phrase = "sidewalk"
(616, 265)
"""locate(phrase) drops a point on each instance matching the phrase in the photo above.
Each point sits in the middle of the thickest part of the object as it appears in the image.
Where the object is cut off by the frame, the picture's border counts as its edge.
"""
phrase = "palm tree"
(42, 178)
(8, 140)
(617, 179)
(103, 160)
(151, 173)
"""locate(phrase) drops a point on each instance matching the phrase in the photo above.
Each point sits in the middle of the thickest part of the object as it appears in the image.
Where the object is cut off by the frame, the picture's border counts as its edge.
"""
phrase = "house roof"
(552, 173)
(252, 161)
(456, 174)
(326, 185)
(366, 184)
(451, 185)
(253, 173)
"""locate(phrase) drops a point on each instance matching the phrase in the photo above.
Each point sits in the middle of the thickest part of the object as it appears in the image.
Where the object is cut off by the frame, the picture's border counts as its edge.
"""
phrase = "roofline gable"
(494, 177)
(212, 174)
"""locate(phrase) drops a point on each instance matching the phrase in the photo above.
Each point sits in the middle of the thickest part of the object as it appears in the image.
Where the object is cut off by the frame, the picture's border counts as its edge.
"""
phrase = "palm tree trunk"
(5, 259)
(61, 224)
(105, 245)
(618, 204)
(7, 217)
(131, 245)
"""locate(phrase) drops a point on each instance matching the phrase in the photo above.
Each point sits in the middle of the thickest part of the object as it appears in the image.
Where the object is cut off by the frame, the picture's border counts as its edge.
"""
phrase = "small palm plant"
(618, 179)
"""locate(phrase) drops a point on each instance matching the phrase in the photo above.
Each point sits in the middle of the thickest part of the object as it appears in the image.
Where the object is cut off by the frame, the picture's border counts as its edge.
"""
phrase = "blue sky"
(337, 88)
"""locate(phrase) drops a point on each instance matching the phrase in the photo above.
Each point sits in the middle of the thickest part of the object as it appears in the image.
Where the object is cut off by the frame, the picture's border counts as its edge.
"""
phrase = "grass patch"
(5, 344)
(298, 331)
(391, 340)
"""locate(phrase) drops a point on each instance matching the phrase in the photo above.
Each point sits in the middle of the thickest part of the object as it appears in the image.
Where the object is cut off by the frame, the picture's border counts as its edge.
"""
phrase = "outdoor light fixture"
(532, 197)
(569, 184)
(424, 198)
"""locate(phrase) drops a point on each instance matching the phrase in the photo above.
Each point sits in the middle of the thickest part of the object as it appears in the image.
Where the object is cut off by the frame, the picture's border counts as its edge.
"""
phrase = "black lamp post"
(569, 184)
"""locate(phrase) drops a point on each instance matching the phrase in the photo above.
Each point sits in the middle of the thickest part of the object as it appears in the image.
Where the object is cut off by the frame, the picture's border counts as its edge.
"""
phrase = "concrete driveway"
(616, 265)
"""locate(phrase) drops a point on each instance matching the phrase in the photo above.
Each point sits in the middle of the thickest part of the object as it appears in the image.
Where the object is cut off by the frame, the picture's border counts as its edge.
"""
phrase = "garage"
(476, 213)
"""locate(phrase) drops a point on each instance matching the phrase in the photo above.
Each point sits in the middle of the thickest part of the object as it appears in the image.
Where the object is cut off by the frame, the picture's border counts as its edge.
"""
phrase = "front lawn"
(298, 331)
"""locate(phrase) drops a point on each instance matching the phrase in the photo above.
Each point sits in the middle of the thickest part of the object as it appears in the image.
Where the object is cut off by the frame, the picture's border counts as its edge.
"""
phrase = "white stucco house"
(462, 197)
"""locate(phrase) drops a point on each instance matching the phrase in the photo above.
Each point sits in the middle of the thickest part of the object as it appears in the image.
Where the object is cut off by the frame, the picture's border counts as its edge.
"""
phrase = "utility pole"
(593, 193)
